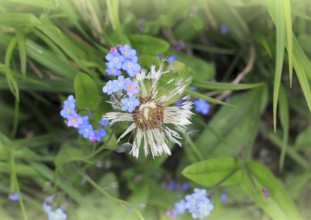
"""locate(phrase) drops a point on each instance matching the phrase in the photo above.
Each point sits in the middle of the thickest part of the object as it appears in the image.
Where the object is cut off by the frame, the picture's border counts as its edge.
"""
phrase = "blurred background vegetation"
(249, 58)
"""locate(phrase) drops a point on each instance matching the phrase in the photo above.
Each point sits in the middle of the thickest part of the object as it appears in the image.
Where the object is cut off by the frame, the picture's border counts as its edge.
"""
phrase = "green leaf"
(7, 69)
(49, 60)
(36, 3)
(232, 128)
(284, 118)
(202, 71)
(19, 19)
(206, 98)
(145, 44)
(213, 171)
(303, 141)
(225, 86)
(69, 153)
(86, 92)
(305, 42)
(147, 60)
(20, 37)
(113, 12)
(280, 46)
(289, 36)
(278, 206)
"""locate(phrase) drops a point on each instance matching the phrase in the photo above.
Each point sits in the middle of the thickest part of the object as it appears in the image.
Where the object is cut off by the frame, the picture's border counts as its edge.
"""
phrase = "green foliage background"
(258, 136)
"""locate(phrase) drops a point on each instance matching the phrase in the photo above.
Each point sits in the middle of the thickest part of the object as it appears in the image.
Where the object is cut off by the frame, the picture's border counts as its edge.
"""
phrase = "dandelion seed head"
(153, 121)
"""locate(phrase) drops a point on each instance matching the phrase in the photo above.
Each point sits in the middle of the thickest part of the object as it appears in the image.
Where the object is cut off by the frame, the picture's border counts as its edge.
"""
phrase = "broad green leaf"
(232, 127)
(279, 205)
(213, 171)
(145, 44)
(86, 92)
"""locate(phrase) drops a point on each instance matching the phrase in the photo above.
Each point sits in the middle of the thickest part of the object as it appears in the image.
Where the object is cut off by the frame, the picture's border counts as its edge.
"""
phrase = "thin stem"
(194, 148)
(245, 71)
(289, 150)
(16, 184)
(121, 202)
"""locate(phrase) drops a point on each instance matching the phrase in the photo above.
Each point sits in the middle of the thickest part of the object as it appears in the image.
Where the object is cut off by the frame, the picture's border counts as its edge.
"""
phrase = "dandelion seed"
(153, 121)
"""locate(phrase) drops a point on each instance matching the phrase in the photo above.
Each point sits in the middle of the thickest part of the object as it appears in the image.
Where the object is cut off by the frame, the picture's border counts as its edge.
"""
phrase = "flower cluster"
(122, 58)
(125, 88)
(57, 214)
(197, 204)
(82, 123)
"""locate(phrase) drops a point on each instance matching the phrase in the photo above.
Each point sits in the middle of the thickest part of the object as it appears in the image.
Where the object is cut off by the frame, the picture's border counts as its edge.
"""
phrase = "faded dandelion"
(154, 122)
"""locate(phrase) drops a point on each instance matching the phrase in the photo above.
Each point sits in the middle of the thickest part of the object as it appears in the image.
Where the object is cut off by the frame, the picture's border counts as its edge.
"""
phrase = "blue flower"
(193, 88)
(113, 71)
(110, 87)
(224, 29)
(223, 196)
(171, 58)
(131, 87)
(14, 197)
(185, 186)
(120, 83)
(179, 208)
(129, 104)
(98, 135)
(128, 53)
(74, 120)
(266, 192)
(103, 122)
(179, 102)
(115, 60)
(201, 106)
(86, 130)
(132, 68)
(69, 107)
